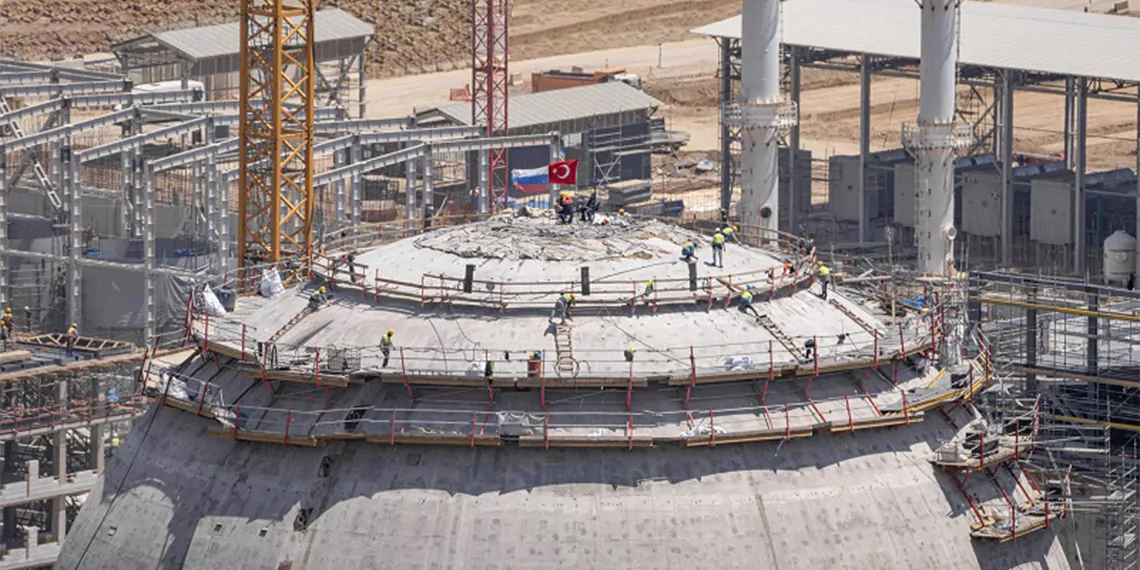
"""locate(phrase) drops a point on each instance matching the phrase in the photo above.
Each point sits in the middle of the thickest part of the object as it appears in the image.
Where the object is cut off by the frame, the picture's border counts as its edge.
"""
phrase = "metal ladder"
(37, 168)
(564, 350)
(782, 338)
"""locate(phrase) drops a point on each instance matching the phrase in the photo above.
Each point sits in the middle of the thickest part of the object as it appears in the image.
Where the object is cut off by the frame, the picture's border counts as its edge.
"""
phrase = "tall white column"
(762, 114)
(936, 140)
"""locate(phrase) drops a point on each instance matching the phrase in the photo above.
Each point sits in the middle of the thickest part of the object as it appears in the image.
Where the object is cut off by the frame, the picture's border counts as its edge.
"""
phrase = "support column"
(356, 156)
(59, 448)
(4, 227)
(362, 91)
(209, 186)
(762, 114)
(1078, 222)
(1006, 157)
(725, 125)
(864, 142)
(428, 198)
(7, 476)
(554, 188)
(484, 197)
(410, 193)
(73, 201)
(1135, 272)
(936, 140)
(1092, 350)
(794, 204)
(340, 159)
(149, 327)
(96, 451)
(1070, 93)
(1031, 340)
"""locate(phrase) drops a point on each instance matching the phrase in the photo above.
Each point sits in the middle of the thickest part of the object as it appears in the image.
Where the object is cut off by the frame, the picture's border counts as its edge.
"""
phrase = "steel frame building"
(212, 54)
(877, 38)
(102, 187)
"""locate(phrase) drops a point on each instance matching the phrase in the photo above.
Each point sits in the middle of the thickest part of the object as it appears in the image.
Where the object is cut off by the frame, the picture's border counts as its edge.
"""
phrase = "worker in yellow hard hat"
(592, 206)
(386, 346)
(72, 336)
(9, 326)
(562, 307)
(317, 299)
(824, 279)
(730, 233)
(621, 212)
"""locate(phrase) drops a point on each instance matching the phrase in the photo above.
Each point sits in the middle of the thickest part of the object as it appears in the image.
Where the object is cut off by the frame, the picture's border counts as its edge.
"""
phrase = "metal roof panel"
(1062, 42)
(562, 105)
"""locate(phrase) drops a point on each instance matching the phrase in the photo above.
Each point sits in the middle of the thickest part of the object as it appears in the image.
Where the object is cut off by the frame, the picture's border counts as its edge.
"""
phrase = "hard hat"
(8, 310)
(633, 350)
(322, 289)
(572, 296)
(391, 332)
(594, 191)
(736, 228)
(74, 324)
(621, 210)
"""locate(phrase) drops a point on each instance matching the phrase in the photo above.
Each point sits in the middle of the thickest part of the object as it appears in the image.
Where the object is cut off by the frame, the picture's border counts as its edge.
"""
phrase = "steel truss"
(489, 80)
(277, 66)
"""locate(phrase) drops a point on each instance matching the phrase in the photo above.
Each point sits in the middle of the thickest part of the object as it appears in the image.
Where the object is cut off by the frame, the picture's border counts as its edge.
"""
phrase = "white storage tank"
(1119, 257)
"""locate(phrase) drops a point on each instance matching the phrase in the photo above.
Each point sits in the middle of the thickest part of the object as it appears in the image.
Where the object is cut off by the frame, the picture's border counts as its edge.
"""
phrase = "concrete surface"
(176, 497)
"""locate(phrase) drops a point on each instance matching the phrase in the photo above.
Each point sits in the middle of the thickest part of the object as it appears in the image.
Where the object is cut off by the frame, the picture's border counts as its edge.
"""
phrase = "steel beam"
(66, 131)
(726, 99)
(1006, 156)
(64, 89)
(794, 144)
(62, 71)
(410, 190)
(864, 142)
(418, 135)
(136, 142)
(88, 262)
(194, 155)
(363, 125)
(369, 165)
(1078, 217)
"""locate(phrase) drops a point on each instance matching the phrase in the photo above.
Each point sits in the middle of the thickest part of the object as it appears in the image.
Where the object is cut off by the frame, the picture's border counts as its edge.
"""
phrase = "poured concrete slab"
(176, 497)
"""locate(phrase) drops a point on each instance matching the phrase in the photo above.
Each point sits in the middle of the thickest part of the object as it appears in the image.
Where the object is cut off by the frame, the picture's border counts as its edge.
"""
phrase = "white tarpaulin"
(271, 283)
(213, 305)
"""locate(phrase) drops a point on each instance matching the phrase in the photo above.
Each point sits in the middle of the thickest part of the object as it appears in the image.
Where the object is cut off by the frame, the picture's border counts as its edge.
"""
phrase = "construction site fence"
(244, 340)
(15, 422)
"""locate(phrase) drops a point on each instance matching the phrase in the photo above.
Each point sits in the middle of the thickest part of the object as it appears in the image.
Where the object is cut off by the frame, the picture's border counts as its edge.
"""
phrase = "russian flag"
(532, 180)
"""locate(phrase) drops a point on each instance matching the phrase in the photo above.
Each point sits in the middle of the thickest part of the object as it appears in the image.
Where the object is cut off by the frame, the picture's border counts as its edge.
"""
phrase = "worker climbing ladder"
(564, 364)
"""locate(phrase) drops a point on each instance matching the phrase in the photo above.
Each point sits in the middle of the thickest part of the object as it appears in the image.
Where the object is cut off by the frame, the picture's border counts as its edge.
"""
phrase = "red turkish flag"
(563, 172)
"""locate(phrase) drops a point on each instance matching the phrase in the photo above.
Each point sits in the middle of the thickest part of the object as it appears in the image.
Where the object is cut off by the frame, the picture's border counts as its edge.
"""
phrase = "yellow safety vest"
(824, 271)
(746, 296)
(114, 442)
(726, 231)
(718, 239)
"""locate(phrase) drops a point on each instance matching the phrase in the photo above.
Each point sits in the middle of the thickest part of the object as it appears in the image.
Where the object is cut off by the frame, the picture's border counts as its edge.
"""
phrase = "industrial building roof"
(564, 105)
(225, 39)
(992, 35)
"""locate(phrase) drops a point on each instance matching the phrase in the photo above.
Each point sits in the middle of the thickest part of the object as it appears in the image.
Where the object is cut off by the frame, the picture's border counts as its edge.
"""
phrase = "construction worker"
(622, 213)
(562, 307)
(809, 349)
(566, 208)
(730, 233)
(489, 371)
(723, 216)
(592, 205)
(718, 249)
(386, 346)
(317, 298)
(824, 279)
(629, 352)
(649, 289)
(688, 252)
(9, 327)
(746, 302)
(534, 364)
(72, 336)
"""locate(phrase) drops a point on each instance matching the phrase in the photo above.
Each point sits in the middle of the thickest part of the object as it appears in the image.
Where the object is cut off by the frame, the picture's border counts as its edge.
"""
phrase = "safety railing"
(415, 364)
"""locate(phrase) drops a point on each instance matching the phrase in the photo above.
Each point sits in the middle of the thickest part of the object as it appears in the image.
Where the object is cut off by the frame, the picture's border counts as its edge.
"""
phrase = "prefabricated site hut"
(211, 55)
(607, 125)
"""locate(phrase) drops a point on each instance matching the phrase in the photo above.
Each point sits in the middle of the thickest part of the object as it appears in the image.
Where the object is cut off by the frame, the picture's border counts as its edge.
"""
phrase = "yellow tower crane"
(275, 207)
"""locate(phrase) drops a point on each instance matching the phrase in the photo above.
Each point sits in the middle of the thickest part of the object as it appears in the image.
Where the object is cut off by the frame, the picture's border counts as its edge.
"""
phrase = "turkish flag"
(563, 172)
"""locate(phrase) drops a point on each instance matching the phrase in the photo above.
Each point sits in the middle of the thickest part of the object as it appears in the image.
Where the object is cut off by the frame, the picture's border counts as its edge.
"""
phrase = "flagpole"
(554, 144)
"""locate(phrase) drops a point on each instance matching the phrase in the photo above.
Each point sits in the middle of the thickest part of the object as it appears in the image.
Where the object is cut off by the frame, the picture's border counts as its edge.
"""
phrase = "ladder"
(780, 337)
(37, 168)
(564, 351)
(289, 325)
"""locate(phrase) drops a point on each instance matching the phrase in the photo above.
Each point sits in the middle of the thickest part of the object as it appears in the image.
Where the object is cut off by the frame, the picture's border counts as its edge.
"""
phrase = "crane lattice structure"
(276, 140)
(489, 80)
